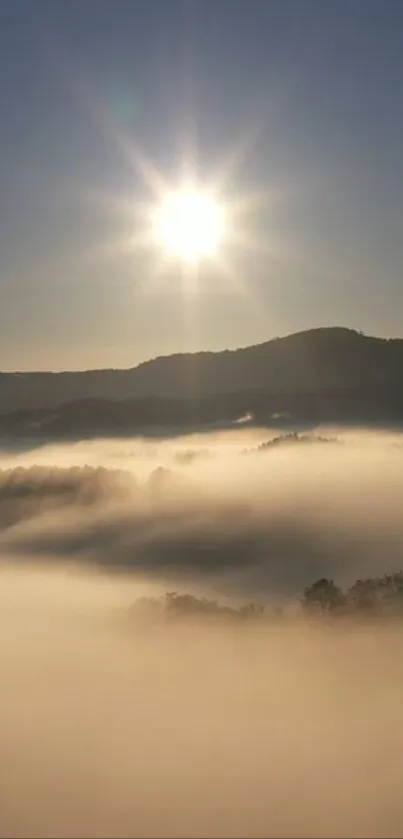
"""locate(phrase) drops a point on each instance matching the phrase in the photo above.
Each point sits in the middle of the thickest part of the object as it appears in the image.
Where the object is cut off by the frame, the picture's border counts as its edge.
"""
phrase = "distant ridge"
(318, 329)
(325, 360)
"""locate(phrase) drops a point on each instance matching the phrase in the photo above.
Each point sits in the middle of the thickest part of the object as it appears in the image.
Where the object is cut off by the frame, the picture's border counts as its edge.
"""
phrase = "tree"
(363, 596)
(323, 597)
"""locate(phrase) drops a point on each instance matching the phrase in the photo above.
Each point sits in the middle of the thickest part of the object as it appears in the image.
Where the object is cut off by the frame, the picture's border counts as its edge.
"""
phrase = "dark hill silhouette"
(323, 358)
(327, 374)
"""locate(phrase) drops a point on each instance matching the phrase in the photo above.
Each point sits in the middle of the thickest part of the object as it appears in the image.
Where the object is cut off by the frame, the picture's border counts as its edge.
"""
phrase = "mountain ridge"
(327, 359)
(193, 353)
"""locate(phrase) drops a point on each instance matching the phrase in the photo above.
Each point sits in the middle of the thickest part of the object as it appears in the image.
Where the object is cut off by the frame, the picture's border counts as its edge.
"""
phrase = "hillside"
(326, 359)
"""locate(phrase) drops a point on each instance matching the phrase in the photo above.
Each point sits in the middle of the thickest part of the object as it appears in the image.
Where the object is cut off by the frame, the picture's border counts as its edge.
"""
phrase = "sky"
(302, 97)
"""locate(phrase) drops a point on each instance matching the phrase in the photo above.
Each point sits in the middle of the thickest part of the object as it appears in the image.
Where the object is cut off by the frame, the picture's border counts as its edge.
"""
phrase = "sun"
(190, 224)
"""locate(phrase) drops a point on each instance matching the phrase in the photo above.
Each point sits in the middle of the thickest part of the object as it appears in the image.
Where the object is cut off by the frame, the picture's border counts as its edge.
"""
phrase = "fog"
(112, 724)
(211, 510)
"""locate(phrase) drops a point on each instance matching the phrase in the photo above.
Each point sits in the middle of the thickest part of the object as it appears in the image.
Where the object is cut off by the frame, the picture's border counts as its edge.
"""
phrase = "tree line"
(369, 598)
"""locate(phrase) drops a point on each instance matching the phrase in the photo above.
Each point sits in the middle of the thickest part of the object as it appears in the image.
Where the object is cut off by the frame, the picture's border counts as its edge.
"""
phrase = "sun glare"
(190, 224)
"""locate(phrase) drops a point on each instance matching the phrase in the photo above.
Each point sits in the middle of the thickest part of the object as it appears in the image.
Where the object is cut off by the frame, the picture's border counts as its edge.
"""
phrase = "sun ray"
(132, 152)
(114, 203)
(244, 213)
(253, 202)
(248, 241)
(223, 173)
(129, 149)
(235, 284)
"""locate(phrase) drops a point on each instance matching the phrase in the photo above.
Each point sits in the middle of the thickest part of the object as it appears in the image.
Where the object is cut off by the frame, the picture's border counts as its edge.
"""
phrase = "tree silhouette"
(373, 597)
(363, 597)
(377, 595)
(323, 597)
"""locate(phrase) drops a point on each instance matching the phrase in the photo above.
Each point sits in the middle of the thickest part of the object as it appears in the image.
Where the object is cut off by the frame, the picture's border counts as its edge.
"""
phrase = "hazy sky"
(314, 86)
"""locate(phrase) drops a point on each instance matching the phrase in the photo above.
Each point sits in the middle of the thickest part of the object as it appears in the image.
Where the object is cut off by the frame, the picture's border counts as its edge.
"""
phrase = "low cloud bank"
(112, 725)
(266, 524)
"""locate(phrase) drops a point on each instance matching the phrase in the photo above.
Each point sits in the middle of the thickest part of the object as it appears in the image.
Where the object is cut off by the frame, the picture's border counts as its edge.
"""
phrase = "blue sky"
(315, 85)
